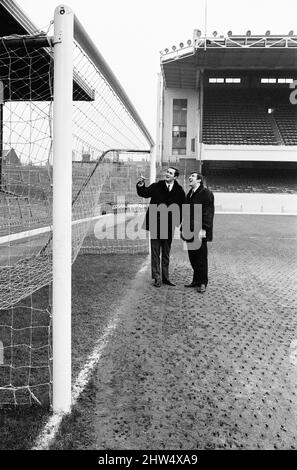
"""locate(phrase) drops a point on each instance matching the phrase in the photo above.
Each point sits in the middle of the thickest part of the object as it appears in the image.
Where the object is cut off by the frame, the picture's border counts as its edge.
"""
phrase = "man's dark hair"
(176, 171)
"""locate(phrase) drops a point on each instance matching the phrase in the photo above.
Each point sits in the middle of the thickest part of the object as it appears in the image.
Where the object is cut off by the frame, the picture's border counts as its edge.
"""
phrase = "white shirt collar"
(194, 190)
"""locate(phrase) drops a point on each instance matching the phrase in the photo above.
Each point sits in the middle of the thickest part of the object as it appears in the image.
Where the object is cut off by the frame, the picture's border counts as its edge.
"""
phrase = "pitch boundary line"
(41, 230)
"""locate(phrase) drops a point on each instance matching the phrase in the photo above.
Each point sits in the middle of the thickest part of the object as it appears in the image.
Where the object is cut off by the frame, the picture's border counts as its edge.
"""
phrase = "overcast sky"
(131, 33)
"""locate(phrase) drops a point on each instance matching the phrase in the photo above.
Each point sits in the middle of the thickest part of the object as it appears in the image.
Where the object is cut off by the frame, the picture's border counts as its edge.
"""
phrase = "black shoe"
(167, 282)
(193, 284)
(201, 289)
(157, 283)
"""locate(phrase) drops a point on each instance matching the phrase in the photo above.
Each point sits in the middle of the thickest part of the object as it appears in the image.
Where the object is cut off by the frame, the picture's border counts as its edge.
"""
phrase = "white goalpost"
(72, 145)
(62, 206)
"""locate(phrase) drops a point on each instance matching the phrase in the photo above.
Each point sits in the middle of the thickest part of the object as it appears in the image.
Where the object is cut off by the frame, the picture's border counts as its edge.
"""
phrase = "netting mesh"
(108, 155)
(109, 126)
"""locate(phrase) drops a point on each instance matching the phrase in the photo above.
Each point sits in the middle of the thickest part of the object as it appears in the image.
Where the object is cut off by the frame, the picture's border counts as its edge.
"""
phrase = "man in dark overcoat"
(203, 229)
(162, 217)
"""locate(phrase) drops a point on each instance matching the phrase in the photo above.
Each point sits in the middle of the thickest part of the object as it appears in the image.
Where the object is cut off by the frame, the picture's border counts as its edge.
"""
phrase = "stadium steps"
(277, 133)
(286, 120)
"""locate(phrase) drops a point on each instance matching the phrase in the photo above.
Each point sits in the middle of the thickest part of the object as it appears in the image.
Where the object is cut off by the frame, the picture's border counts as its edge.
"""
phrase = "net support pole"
(200, 123)
(160, 118)
(153, 160)
(153, 165)
(62, 207)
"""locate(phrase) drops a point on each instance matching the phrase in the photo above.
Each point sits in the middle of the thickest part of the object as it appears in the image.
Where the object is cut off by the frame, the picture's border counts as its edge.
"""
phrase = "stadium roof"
(247, 53)
(15, 29)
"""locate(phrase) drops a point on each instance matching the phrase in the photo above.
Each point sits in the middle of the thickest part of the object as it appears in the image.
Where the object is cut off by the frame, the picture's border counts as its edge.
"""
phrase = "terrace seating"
(239, 117)
(234, 124)
(252, 181)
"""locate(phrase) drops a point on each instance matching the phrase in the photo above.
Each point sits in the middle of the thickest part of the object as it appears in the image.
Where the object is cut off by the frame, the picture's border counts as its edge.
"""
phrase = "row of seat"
(229, 124)
(256, 180)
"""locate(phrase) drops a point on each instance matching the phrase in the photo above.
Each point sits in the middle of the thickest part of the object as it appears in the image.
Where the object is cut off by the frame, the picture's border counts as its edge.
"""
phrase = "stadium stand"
(236, 117)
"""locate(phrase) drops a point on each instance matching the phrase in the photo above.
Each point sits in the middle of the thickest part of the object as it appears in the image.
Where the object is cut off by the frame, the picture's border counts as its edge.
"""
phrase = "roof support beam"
(12, 42)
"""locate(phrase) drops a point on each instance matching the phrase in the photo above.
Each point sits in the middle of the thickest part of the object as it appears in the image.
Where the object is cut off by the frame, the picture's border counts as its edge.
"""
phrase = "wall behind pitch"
(192, 121)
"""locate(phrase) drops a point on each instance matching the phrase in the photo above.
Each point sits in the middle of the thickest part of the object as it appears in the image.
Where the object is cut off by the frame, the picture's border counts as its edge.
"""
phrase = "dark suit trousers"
(160, 247)
(199, 263)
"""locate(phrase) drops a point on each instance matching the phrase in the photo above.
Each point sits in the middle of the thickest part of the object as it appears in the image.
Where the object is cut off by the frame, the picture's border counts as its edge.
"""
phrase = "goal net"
(109, 152)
